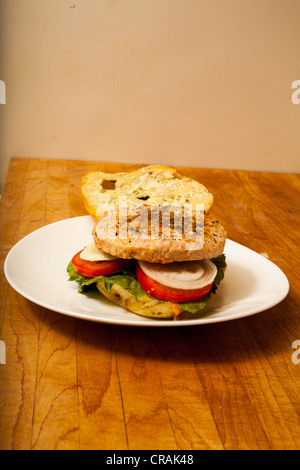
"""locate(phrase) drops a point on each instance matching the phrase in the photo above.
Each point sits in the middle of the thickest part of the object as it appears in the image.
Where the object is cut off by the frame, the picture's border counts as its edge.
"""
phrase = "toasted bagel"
(155, 184)
(145, 306)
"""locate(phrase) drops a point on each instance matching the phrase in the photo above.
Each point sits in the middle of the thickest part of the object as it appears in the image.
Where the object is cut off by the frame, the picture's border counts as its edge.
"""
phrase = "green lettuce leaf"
(125, 279)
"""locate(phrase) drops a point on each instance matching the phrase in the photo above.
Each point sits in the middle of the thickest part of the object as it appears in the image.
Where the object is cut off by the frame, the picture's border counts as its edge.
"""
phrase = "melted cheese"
(91, 253)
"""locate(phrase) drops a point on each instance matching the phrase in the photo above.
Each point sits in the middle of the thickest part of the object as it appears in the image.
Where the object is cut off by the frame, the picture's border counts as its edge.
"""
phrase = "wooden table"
(73, 384)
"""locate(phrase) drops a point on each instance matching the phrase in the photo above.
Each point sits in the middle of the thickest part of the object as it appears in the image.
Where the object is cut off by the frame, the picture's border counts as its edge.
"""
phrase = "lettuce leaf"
(125, 279)
(128, 281)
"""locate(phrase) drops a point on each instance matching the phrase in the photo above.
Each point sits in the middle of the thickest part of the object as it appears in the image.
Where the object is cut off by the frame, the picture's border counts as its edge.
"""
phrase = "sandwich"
(162, 260)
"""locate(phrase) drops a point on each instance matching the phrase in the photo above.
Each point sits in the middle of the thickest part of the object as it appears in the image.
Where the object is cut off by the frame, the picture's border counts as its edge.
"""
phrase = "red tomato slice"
(98, 268)
(169, 294)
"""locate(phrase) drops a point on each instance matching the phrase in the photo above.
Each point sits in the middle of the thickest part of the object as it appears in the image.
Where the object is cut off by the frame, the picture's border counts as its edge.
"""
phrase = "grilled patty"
(159, 234)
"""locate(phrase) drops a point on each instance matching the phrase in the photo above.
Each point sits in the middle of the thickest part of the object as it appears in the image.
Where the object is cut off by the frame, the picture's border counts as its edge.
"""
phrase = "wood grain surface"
(72, 384)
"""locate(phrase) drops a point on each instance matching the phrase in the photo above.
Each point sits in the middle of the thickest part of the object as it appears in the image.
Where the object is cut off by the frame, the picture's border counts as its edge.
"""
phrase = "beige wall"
(203, 83)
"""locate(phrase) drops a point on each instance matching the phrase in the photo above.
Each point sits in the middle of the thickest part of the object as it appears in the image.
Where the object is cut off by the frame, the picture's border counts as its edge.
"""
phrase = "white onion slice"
(181, 275)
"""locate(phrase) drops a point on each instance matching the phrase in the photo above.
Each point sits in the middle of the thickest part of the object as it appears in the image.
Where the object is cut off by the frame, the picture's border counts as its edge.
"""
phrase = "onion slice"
(185, 275)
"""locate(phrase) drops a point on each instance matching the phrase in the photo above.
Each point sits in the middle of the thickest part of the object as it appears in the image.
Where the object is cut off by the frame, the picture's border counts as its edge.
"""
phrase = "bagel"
(155, 184)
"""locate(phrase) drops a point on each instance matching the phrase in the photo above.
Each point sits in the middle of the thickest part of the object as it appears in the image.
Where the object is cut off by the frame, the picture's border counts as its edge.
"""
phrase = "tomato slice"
(98, 268)
(169, 294)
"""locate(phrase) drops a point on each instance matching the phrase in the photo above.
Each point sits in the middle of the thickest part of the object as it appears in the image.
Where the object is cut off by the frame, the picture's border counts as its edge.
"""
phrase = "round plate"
(36, 268)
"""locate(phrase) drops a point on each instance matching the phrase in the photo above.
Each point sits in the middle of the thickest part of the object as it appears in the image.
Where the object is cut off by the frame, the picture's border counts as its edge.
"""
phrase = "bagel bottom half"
(145, 305)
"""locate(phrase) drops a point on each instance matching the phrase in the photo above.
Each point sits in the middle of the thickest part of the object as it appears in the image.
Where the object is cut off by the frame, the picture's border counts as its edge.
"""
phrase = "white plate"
(36, 268)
